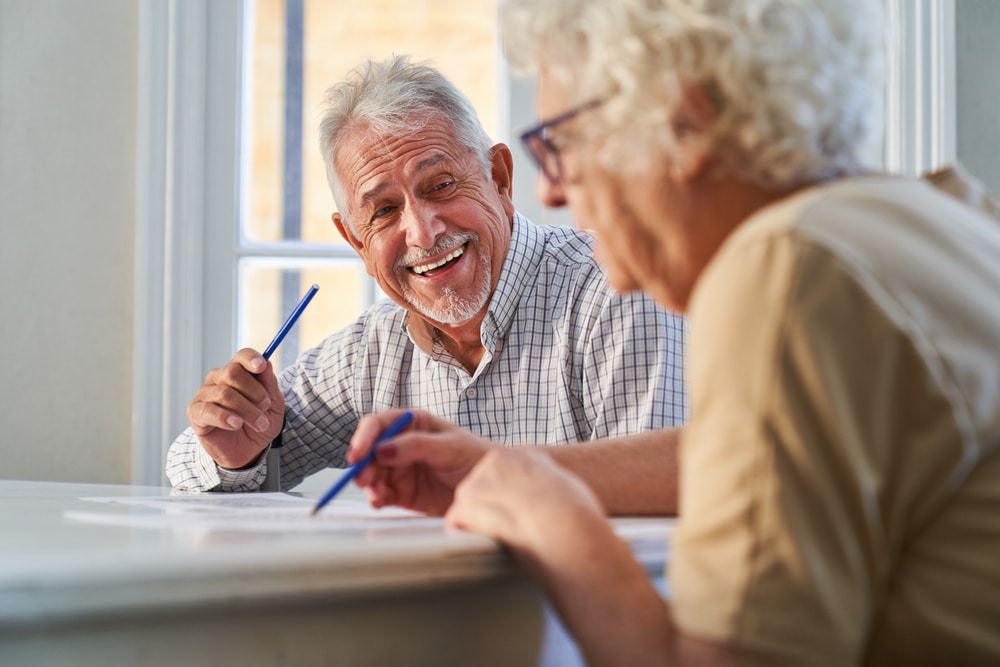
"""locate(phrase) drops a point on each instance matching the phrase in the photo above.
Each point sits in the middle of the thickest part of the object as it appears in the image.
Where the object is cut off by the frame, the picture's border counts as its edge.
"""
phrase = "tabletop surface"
(55, 564)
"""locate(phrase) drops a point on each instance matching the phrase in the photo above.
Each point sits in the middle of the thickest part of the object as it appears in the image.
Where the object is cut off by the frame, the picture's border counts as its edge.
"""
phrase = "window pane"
(265, 122)
(268, 286)
(457, 36)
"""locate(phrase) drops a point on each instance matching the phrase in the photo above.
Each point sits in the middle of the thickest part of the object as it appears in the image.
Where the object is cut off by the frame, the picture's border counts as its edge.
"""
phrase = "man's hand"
(238, 411)
(419, 468)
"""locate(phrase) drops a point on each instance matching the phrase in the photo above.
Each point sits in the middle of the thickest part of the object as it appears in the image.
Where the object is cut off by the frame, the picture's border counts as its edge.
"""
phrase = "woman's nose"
(549, 193)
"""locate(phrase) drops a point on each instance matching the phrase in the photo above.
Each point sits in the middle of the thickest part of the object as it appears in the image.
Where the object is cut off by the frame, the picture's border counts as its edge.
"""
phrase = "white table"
(77, 593)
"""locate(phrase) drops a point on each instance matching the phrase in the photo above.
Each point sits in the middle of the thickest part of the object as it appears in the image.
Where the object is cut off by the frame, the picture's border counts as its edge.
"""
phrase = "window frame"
(920, 112)
(187, 172)
(191, 93)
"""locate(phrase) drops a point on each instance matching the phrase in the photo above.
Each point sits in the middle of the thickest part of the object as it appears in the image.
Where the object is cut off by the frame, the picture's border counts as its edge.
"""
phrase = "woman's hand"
(419, 468)
(522, 498)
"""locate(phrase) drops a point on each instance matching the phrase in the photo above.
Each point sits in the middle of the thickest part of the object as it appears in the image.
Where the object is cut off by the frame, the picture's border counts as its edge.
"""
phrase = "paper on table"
(243, 502)
(258, 512)
(283, 512)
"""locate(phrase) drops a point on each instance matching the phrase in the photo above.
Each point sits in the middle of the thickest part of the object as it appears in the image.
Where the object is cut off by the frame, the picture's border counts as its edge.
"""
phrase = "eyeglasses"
(543, 150)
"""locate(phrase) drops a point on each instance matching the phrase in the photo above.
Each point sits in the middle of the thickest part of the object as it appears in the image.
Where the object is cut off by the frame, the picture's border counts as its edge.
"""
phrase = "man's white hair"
(395, 96)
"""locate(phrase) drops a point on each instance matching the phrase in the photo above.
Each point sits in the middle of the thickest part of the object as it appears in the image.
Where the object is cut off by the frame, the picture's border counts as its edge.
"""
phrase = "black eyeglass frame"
(538, 143)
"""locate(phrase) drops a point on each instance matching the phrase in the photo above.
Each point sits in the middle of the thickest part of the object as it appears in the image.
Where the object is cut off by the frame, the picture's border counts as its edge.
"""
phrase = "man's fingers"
(248, 372)
(226, 408)
(206, 417)
(251, 360)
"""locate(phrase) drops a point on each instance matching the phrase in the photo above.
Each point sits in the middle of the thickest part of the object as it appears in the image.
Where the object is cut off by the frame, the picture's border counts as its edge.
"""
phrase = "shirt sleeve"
(780, 540)
(190, 468)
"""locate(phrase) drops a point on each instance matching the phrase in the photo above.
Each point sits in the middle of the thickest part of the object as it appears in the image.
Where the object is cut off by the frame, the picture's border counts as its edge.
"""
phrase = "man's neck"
(463, 342)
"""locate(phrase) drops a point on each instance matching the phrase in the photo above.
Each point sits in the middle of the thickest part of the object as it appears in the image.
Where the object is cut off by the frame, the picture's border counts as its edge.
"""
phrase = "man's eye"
(442, 185)
(382, 212)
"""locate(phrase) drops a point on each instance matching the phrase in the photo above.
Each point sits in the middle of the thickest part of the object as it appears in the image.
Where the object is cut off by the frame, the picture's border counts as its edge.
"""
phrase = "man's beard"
(450, 307)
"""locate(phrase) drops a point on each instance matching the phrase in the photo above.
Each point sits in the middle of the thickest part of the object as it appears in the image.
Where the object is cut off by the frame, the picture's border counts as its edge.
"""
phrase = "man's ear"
(346, 232)
(692, 126)
(349, 236)
(502, 173)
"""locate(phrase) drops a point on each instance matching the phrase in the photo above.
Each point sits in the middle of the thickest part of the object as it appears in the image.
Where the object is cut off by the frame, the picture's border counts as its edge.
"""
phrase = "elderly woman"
(839, 481)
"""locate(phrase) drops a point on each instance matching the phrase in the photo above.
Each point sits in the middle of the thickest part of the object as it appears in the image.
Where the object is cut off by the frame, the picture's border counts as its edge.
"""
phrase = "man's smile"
(425, 269)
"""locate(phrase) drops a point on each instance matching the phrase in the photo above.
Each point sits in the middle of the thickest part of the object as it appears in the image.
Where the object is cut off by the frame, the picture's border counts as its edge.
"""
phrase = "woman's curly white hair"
(796, 84)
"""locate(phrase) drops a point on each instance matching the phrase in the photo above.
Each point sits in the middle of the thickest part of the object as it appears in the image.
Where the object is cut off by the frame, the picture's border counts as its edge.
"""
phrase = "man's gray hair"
(395, 96)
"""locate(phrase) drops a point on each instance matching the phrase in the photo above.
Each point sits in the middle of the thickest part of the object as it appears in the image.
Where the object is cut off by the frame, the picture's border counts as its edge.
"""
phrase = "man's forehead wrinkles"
(432, 161)
(429, 162)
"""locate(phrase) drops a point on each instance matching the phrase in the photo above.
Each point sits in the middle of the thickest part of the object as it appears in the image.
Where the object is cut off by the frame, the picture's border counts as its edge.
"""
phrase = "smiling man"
(504, 327)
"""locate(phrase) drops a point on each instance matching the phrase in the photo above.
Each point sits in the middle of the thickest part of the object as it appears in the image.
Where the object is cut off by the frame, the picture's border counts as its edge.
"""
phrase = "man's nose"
(422, 226)
(549, 193)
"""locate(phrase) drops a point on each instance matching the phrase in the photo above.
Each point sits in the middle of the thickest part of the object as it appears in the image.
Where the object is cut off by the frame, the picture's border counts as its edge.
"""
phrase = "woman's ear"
(692, 126)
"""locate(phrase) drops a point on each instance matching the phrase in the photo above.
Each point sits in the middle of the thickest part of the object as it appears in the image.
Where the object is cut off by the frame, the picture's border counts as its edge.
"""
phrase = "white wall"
(67, 155)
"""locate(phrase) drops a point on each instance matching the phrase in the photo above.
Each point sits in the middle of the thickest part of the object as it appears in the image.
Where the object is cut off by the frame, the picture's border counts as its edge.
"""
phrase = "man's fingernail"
(257, 365)
(265, 404)
(234, 421)
(262, 423)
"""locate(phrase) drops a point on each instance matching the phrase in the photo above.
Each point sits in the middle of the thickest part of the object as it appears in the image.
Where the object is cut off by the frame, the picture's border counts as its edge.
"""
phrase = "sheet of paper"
(242, 503)
(283, 512)
(257, 512)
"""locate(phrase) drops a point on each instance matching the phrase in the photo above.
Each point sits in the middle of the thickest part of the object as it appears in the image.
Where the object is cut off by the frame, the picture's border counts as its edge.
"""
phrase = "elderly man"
(506, 328)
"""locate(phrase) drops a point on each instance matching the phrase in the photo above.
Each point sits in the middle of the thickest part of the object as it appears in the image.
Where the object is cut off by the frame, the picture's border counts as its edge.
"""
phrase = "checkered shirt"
(566, 360)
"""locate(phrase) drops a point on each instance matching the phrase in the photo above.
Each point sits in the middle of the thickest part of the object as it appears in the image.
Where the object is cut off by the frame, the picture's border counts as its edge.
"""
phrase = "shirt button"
(470, 392)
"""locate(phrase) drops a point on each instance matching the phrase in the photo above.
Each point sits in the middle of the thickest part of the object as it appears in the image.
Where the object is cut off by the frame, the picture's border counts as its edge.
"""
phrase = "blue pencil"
(290, 322)
(401, 422)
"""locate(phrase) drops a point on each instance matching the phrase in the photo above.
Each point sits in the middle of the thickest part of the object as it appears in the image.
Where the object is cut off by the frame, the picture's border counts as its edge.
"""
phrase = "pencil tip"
(314, 511)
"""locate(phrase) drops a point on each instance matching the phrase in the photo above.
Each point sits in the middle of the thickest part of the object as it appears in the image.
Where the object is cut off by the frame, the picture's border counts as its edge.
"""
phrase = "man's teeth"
(424, 268)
